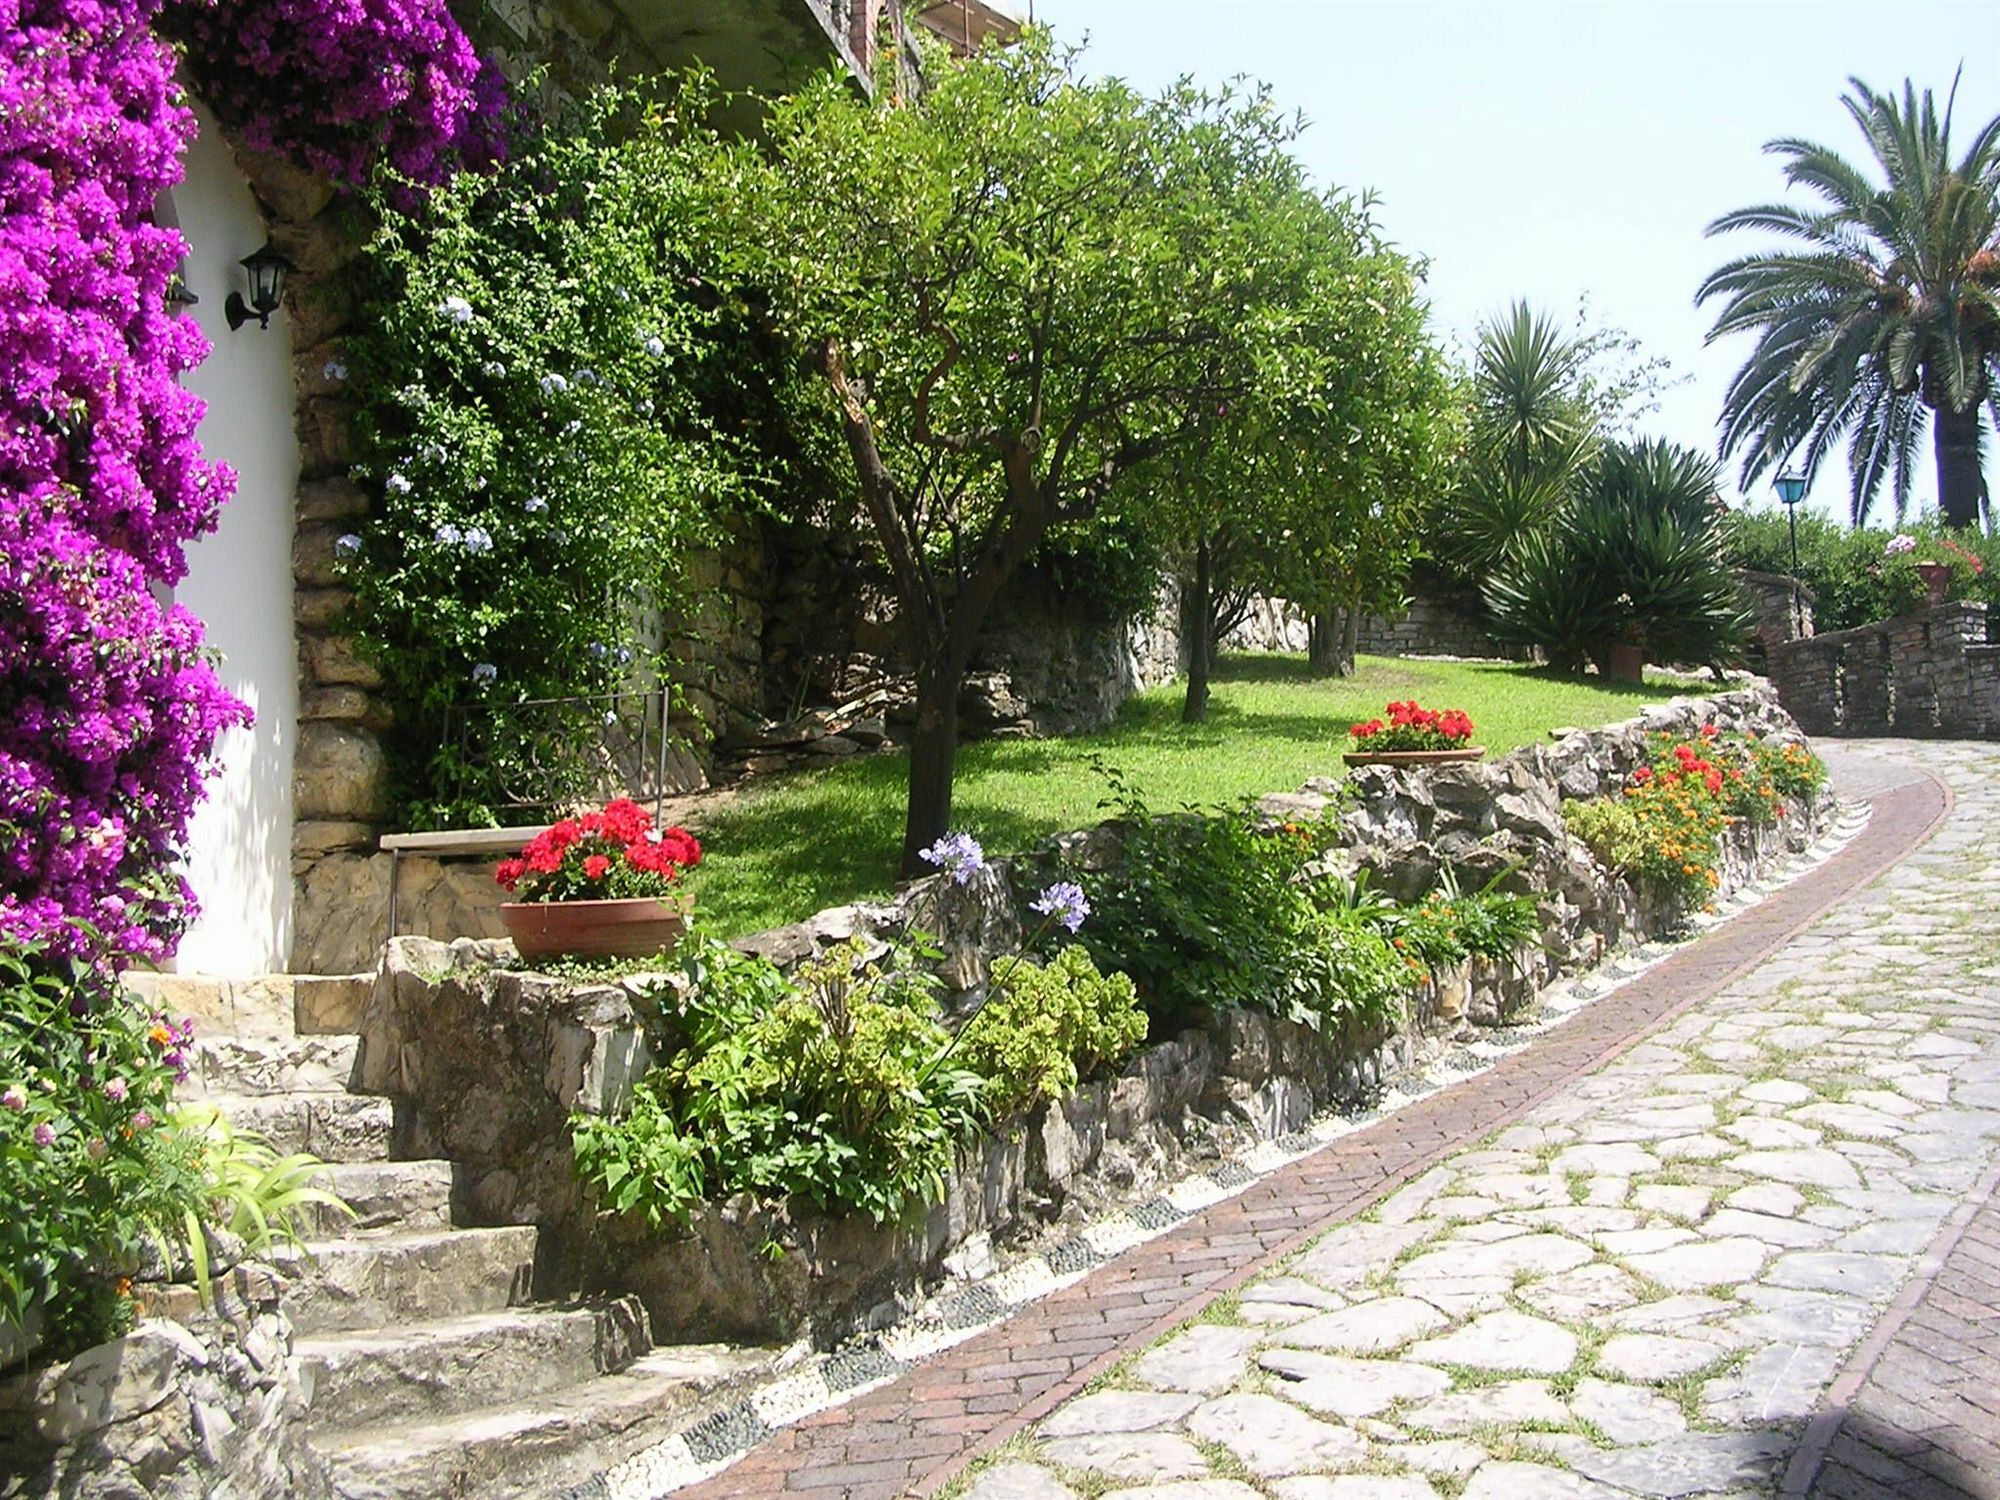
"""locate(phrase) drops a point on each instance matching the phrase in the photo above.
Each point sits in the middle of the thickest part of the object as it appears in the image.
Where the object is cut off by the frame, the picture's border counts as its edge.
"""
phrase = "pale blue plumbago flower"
(599, 650)
(434, 453)
(624, 655)
(554, 385)
(610, 718)
(484, 673)
(449, 535)
(655, 345)
(397, 484)
(333, 369)
(587, 376)
(534, 505)
(347, 546)
(575, 426)
(957, 855)
(1065, 902)
(493, 370)
(457, 309)
(645, 408)
(478, 539)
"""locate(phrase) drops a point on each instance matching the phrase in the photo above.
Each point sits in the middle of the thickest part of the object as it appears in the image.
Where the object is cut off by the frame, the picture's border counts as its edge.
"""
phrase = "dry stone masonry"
(1934, 674)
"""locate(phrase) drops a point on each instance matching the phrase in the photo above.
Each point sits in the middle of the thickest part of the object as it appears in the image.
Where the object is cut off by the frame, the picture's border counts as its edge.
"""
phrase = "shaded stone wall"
(1934, 673)
(1777, 619)
(1430, 627)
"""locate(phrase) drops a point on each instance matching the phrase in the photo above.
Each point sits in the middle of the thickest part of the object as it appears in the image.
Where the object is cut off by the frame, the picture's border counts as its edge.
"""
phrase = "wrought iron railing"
(549, 755)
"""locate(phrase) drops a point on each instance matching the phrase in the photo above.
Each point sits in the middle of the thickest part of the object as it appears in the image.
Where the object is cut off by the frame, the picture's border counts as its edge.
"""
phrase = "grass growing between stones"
(820, 838)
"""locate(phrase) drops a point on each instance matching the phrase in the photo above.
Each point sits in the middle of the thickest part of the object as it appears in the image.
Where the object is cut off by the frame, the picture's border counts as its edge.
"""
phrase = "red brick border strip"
(1846, 1393)
(914, 1435)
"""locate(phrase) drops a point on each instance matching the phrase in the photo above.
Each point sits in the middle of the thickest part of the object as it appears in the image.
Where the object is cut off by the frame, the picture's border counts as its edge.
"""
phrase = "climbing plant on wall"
(529, 381)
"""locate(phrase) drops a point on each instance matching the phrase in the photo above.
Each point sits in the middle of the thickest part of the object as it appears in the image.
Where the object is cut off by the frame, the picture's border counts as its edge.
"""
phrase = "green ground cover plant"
(825, 837)
(840, 1084)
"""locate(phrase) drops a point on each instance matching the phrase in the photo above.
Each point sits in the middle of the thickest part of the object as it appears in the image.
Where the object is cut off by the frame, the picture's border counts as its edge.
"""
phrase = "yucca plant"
(1635, 556)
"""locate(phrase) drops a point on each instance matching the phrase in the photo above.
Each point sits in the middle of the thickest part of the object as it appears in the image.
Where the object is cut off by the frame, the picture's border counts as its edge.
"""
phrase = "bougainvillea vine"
(343, 85)
(111, 709)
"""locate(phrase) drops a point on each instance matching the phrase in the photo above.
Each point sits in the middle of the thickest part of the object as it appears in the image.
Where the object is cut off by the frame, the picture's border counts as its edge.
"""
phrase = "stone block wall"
(1430, 627)
(492, 1062)
(1935, 673)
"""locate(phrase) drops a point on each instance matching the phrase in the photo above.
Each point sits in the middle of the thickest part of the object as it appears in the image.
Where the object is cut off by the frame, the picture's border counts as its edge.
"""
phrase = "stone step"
(426, 1371)
(241, 1066)
(333, 1127)
(384, 1281)
(410, 1196)
(263, 1005)
(561, 1438)
(330, 1004)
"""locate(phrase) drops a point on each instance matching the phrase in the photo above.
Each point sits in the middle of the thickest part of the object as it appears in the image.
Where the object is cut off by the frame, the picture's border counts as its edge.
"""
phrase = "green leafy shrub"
(540, 379)
(1852, 574)
(1214, 912)
(1449, 926)
(838, 1087)
(1666, 824)
(1634, 556)
(1046, 1026)
(91, 1170)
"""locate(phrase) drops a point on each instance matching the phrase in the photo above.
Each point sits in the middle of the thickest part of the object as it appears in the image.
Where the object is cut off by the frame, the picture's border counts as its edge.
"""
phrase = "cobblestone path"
(1653, 1282)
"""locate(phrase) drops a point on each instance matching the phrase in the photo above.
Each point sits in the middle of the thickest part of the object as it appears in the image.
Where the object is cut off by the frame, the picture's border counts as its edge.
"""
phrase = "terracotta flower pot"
(1623, 662)
(1937, 582)
(637, 927)
(1413, 757)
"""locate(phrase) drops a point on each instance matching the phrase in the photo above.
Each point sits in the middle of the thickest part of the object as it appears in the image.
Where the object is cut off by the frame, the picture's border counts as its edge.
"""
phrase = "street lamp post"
(1791, 490)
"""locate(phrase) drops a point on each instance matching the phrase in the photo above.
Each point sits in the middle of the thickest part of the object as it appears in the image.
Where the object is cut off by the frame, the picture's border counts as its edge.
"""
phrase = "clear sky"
(1557, 148)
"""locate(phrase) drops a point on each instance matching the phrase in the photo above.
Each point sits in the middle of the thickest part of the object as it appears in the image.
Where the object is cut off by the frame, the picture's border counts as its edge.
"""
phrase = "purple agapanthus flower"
(956, 855)
(1065, 902)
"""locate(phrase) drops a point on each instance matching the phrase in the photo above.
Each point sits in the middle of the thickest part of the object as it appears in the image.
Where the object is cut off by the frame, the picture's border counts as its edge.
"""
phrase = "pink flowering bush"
(112, 709)
(342, 85)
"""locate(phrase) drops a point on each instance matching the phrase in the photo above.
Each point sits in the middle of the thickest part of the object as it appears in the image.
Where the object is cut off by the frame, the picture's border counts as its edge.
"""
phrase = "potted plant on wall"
(603, 885)
(1413, 735)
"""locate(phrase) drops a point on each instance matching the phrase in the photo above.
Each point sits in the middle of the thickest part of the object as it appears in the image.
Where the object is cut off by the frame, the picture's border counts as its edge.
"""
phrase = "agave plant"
(1635, 556)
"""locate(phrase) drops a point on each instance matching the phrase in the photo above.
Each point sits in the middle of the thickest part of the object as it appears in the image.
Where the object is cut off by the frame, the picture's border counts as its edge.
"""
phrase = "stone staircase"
(430, 1367)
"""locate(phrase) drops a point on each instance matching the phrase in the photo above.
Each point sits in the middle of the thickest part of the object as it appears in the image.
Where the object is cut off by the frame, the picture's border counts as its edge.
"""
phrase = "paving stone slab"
(1350, 1387)
(1347, 1256)
(1510, 1403)
(1206, 1358)
(1583, 1294)
(1530, 1254)
(1709, 1263)
(1691, 1464)
(1368, 1327)
(1189, 1489)
(1118, 1411)
(1653, 1358)
(1019, 1482)
(1626, 1413)
(1274, 1439)
(1816, 1166)
(1870, 1276)
(1519, 1481)
(1354, 1487)
(1503, 1341)
(1129, 1455)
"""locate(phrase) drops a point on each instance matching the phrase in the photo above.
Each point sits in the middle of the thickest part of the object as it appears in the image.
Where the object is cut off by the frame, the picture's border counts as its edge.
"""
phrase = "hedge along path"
(913, 1434)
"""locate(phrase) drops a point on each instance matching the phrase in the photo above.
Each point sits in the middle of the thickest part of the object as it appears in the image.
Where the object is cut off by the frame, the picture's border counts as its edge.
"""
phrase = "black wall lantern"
(267, 270)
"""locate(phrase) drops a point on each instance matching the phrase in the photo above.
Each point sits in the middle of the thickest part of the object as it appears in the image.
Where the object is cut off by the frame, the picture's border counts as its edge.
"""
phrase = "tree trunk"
(1323, 643)
(933, 759)
(1961, 486)
(1198, 620)
(1350, 639)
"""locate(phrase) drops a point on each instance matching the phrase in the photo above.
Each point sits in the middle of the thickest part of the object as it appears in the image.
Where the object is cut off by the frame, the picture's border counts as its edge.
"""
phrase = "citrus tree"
(1014, 289)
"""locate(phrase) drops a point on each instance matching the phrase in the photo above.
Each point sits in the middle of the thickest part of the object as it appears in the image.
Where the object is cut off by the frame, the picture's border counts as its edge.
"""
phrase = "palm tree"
(1884, 317)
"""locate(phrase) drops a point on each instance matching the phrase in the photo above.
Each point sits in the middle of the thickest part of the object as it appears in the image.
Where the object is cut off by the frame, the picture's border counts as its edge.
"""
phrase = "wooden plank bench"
(494, 843)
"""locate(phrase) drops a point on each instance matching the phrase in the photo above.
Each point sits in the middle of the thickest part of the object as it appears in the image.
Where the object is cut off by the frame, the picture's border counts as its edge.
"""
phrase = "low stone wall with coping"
(493, 1061)
(1935, 673)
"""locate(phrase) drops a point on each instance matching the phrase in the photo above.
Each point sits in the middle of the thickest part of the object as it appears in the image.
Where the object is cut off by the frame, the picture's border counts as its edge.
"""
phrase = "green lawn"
(820, 838)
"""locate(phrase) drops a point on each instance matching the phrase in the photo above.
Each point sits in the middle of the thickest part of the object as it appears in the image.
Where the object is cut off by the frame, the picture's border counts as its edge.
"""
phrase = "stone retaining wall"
(494, 1061)
(1430, 627)
(1934, 673)
(192, 1403)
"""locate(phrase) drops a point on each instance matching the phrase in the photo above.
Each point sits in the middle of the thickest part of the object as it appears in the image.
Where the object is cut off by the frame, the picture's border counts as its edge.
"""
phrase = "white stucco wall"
(240, 583)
